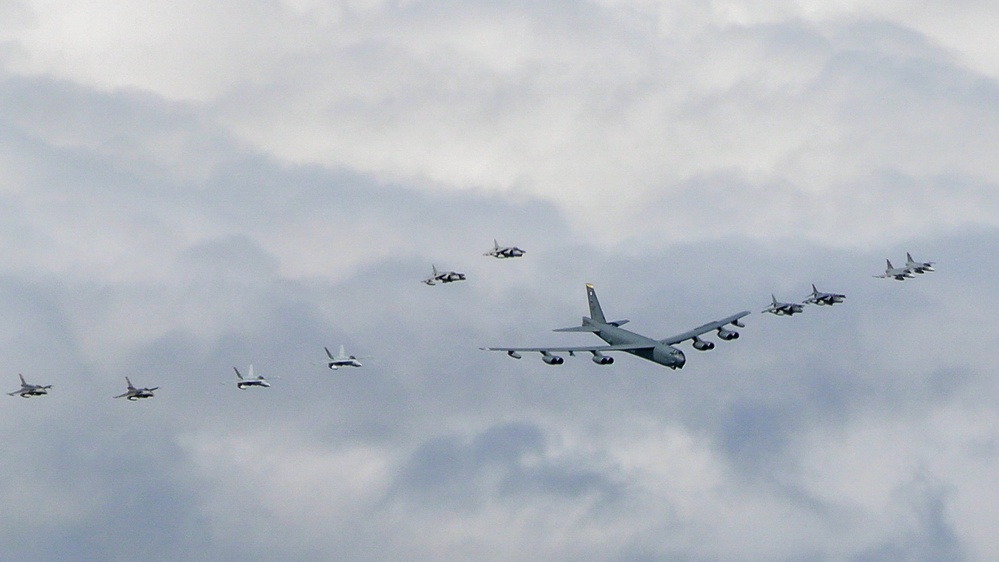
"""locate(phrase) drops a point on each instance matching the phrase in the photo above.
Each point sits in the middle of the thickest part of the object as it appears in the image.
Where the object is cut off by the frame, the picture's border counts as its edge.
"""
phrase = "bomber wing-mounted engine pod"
(727, 334)
(514, 354)
(551, 359)
(601, 359)
(701, 345)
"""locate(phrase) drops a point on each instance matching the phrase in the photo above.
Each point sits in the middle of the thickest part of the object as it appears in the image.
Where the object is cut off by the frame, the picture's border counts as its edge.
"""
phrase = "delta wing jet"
(619, 339)
(897, 273)
(29, 390)
(134, 394)
(443, 277)
(783, 308)
(917, 267)
(504, 252)
(341, 359)
(244, 383)
(823, 299)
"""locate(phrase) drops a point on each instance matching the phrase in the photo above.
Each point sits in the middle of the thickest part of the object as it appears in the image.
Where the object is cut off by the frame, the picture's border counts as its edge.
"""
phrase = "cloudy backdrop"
(188, 186)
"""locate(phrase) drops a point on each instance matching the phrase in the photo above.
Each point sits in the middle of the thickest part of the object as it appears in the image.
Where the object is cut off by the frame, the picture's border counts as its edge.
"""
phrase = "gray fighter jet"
(250, 380)
(897, 273)
(783, 308)
(29, 390)
(917, 267)
(134, 394)
(443, 277)
(823, 299)
(341, 359)
(658, 351)
(504, 252)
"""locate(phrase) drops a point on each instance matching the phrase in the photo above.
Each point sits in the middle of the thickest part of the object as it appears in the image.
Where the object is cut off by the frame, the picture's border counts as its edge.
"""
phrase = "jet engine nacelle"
(727, 334)
(551, 359)
(601, 359)
(701, 345)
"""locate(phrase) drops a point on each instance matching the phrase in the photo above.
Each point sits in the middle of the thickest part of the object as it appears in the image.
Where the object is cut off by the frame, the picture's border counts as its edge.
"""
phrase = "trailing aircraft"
(504, 252)
(917, 267)
(443, 277)
(897, 273)
(29, 390)
(243, 383)
(341, 359)
(619, 339)
(783, 308)
(823, 299)
(136, 393)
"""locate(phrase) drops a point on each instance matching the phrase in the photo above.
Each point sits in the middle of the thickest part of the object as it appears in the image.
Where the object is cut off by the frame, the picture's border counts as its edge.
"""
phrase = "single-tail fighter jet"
(619, 339)
(823, 299)
(134, 394)
(244, 383)
(504, 252)
(29, 390)
(443, 277)
(341, 359)
(917, 267)
(783, 308)
(897, 273)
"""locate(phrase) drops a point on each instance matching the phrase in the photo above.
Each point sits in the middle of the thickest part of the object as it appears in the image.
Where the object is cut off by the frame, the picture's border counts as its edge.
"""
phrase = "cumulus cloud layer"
(185, 188)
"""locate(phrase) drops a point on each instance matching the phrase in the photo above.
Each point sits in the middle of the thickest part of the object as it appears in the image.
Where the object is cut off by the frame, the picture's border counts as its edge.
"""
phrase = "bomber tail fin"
(596, 314)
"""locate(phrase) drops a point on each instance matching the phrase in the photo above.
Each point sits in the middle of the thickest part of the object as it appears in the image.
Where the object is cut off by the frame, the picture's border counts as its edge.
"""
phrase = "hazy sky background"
(189, 186)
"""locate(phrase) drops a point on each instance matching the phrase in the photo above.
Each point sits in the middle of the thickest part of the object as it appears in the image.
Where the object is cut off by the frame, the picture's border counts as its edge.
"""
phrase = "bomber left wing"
(718, 325)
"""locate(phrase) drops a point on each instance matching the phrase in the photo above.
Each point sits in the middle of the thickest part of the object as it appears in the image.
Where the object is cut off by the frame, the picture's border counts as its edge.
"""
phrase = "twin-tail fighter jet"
(443, 277)
(823, 299)
(619, 339)
(917, 267)
(896, 273)
(243, 383)
(341, 359)
(504, 252)
(29, 390)
(783, 308)
(134, 394)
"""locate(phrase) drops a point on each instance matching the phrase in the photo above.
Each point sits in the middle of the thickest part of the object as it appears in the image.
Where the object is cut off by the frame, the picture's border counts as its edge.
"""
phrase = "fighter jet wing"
(576, 348)
(704, 329)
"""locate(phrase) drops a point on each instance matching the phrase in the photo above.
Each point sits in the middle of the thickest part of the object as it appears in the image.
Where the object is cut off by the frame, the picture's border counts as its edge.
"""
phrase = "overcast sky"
(187, 186)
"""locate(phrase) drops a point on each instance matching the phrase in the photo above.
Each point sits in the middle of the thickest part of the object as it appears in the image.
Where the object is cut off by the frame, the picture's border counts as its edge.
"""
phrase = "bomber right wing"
(716, 325)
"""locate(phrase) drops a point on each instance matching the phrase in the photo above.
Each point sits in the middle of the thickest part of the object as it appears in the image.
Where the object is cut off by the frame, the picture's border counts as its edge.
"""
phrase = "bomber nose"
(680, 359)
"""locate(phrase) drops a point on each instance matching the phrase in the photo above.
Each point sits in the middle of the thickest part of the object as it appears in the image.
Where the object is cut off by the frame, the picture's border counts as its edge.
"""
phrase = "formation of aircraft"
(29, 390)
(244, 383)
(341, 359)
(618, 339)
(783, 308)
(504, 252)
(443, 277)
(136, 393)
(911, 267)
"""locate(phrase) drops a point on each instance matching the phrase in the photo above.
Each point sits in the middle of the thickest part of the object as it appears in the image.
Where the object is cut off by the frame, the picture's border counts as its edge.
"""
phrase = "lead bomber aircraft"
(619, 339)
(29, 390)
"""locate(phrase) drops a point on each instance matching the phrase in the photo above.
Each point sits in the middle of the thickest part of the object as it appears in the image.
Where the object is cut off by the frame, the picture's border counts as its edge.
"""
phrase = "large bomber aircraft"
(783, 308)
(134, 394)
(443, 277)
(619, 339)
(823, 299)
(896, 273)
(29, 390)
(504, 251)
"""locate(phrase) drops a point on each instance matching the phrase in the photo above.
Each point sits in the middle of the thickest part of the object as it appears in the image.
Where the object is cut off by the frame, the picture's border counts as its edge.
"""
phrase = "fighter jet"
(341, 359)
(917, 267)
(657, 351)
(244, 383)
(823, 299)
(443, 277)
(783, 308)
(29, 390)
(504, 252)
(134, 394)
(897, 273)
